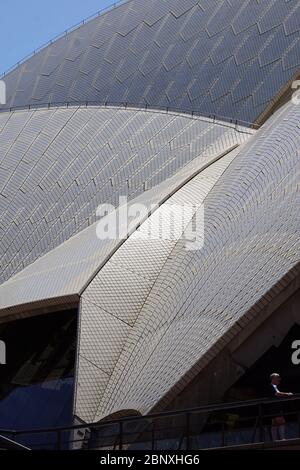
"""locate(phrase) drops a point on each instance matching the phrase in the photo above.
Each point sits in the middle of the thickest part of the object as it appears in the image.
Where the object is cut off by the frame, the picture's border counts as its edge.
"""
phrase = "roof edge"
(101, 12)
(38, 307)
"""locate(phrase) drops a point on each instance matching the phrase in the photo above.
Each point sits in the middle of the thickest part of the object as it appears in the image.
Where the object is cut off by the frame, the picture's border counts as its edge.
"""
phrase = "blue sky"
(28, 24)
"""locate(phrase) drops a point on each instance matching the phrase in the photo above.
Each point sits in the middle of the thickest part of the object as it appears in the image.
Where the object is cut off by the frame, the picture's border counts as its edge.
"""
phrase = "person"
(278, 422)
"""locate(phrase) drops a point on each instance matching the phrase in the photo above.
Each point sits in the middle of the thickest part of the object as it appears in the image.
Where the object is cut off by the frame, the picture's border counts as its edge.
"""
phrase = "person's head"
(275, 378)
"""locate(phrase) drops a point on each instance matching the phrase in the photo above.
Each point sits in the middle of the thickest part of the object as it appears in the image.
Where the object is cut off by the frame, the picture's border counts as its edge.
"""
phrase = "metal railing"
(9, 444)
(238, 124)
(204, 427)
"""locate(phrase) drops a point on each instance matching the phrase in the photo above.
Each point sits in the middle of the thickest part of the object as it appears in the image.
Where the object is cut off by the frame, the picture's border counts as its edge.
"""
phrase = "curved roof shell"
(147, 304)
(166, 305)
(228, 58)
(58, 165)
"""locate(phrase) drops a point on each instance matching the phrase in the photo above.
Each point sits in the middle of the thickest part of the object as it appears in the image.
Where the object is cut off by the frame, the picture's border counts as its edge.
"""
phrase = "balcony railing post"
(58, 440)
(260, 423)
(223, 443)
(153, 436)
(187, 431)
(121, 435)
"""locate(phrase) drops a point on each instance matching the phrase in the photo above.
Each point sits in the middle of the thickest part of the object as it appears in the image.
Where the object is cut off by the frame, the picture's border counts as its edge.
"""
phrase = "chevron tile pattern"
(223, 57)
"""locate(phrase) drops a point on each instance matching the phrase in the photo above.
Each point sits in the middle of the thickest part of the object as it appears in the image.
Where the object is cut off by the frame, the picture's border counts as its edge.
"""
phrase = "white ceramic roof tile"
(123, 286)
(97, 344)
(58, 165)
(91, 382)
(83, 254)
(134, 51)
(197, 297)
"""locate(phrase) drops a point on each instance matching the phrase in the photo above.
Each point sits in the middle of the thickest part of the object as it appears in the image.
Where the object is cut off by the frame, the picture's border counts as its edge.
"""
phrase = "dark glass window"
(37, 383)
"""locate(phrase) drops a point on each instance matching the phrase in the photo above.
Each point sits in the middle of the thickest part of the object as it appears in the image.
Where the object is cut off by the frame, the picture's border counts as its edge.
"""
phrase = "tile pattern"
(58, 165)
(121, 290)
(198, 300)
(224, 57)
(152, 313)
(65, 270)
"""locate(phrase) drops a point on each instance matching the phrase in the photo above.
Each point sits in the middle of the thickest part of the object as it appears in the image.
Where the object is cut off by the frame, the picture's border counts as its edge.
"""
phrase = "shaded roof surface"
(215, 57)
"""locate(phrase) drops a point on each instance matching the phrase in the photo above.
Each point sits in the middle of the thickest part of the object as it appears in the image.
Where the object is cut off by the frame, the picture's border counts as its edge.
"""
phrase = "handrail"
(198, 409)
(103, 11)
(217, 119)
(8, 444)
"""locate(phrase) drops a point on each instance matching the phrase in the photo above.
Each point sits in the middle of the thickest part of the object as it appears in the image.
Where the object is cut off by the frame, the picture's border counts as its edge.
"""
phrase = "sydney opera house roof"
(210, 56)
(157, 101)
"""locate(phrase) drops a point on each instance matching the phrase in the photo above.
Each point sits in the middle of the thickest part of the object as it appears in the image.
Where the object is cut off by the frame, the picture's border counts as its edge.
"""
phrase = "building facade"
(158, 107)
